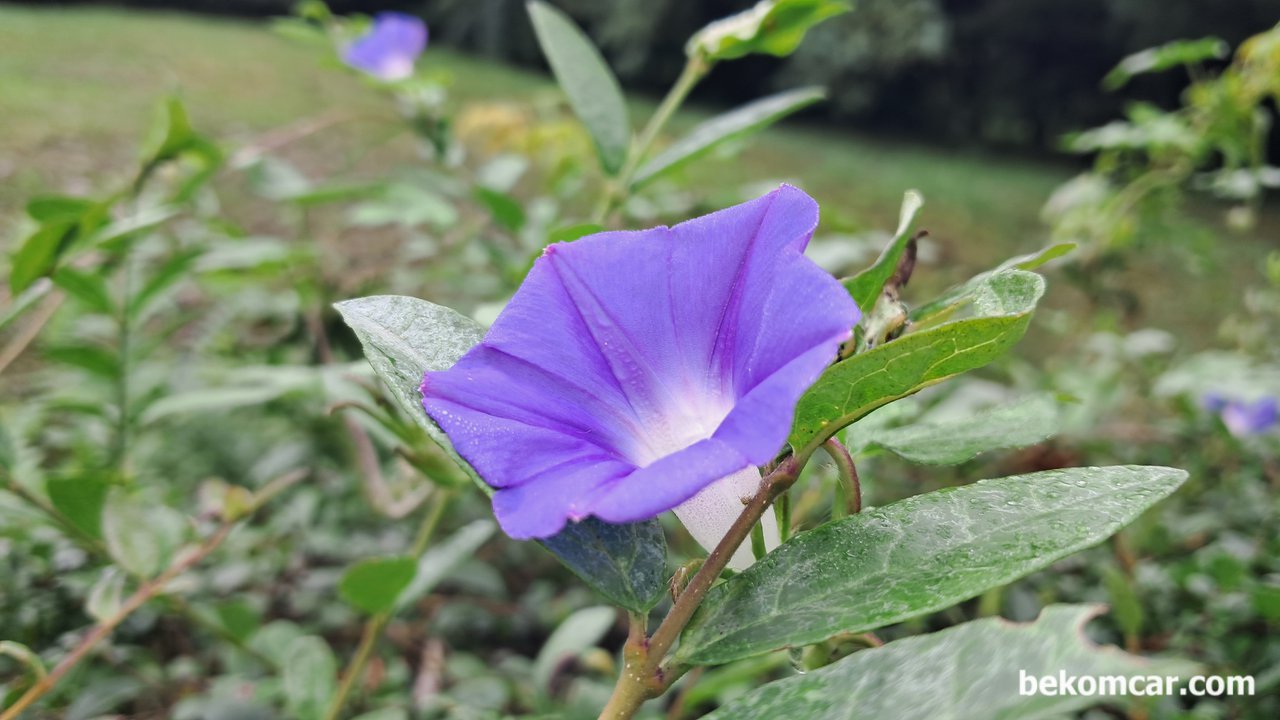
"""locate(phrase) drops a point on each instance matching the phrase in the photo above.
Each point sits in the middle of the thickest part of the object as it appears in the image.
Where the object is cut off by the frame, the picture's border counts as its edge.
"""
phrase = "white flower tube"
(709, 514)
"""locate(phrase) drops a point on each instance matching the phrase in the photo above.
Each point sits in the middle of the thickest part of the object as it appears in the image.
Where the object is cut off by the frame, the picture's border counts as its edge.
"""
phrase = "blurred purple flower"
(1244, 418)
(639, 372)
(390, 47)
(1213, 402)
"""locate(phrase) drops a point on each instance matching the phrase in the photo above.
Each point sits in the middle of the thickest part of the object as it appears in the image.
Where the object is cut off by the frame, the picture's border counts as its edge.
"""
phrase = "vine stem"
(848, 476)
(377, 623)
(95, 547)
(645, 675)
(694, 70)
(104, 628)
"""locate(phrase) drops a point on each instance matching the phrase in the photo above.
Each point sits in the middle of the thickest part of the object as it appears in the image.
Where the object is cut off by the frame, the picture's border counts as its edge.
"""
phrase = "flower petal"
(674, 357)
(390, 47)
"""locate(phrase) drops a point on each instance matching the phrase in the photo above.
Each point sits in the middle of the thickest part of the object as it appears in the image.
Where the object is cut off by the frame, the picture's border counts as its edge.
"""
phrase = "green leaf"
(39, 253)
(405, 337)
(309, 677)
(171, 135)
(107, 594)
(865, 287)
(593, 91)
(943, 307)
(570, 233)
(1125, 604)
(90, 358)
(391, 713)
(165, 277)
(443, 559)
(735, 124)
(89, 288)
(141, 538)
(24, 655)
(956, 440)
(504, 209)
(625, 563)
(1165, 57)
(373, 585)
(24, 301)
(49, 208)
(772, 27)
(854, 387)
(578, 633)
(80, 500)
(239, 618)
(922, 554)
(973, 671)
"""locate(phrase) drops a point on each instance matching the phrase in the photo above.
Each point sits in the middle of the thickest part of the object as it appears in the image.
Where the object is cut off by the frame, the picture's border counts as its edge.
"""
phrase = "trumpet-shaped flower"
(638, 372)
(390, 47)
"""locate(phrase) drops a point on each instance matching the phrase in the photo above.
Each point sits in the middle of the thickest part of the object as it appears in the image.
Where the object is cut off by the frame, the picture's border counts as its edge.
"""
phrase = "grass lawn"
(79, 85)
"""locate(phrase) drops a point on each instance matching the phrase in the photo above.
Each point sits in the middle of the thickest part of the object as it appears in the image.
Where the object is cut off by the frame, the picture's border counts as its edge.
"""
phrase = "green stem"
(849, 489)
(95, 547)
(647, 672)
(694, 70)
(121, 453)
(376, 624)
(103, 629)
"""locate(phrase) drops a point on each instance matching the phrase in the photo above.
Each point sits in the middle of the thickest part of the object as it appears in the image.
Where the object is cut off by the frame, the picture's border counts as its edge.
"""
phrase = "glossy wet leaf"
(405, 337)
(948, 442)
(945, 305)
(625, 563)
(735, 124)
(593, 91)
(917, 556)
(967, 672)
(865, 287)
(854, 387)
(374, 584)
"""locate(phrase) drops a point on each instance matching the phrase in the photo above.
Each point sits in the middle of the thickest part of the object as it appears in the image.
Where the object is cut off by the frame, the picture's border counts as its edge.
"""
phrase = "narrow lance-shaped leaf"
(852, 388)
(922, 554)
(947, 442)
(735, 124)
(935, 676)
(405, 337)
(579, 632)
(594, 92)
(443, 558)
(865, 287)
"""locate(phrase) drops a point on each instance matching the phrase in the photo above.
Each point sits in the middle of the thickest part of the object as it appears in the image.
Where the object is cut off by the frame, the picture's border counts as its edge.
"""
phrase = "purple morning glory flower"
(1249, 418)
(390, 47)
(639, 372)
